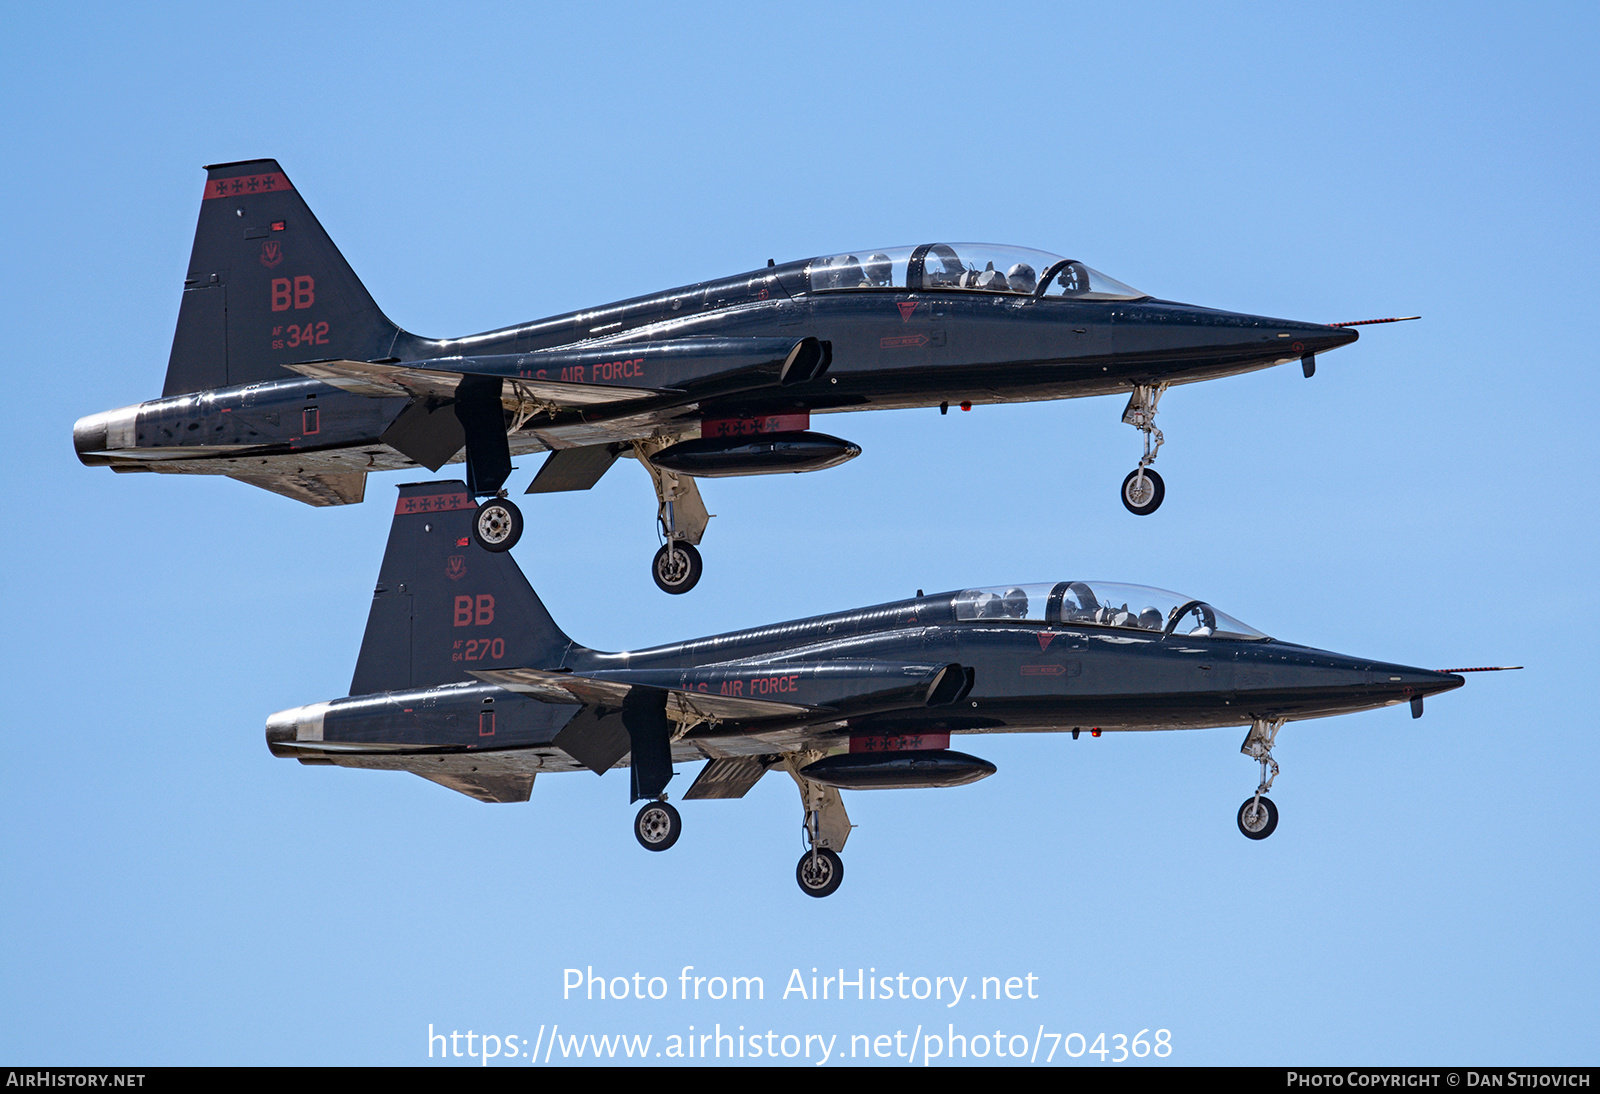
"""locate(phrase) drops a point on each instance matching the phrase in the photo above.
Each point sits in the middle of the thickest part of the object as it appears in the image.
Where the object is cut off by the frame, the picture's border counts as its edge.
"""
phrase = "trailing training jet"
(284, 373)
(464, 679)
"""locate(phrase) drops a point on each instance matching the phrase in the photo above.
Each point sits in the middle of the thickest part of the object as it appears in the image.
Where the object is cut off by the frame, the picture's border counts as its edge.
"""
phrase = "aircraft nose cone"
(1307, 338)
(1405, 682)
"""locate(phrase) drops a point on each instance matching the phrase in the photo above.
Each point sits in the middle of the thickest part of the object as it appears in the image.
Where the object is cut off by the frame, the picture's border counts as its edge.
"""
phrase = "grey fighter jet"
(464, 678)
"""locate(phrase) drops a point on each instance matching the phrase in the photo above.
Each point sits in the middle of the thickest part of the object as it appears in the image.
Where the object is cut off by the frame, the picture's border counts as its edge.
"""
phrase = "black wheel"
(657, 826)
(1143, 499)
(820, 872)
(1258, 822)
(676, 567)
(497, 525)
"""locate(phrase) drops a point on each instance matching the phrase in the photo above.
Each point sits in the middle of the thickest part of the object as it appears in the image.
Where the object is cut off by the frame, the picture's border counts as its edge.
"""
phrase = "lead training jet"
(464, 678)
(284, 373)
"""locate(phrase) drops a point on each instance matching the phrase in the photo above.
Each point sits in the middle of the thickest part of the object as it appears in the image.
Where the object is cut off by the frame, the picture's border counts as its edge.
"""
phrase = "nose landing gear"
(1258, 816)
(1143, 491)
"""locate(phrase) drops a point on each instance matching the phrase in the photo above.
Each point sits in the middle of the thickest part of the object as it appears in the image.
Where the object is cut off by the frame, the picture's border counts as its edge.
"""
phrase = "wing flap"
(729, 777)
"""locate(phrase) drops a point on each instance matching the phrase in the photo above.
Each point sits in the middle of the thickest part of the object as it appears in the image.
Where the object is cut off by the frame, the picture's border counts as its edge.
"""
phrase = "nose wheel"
(657, 826)
(1143, 490)
(1258, 818)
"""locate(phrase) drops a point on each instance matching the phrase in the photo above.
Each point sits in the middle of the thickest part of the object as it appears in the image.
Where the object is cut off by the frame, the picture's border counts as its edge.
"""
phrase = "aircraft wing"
(389, 380)
(688, 707)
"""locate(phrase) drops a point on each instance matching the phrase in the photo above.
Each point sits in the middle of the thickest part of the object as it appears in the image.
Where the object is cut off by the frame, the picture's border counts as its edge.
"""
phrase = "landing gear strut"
(683, 517)
(1258, 816)
(1143, 490)
(820, 871)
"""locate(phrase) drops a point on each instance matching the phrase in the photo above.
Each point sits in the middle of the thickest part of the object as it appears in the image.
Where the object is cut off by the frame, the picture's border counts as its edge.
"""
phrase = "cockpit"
(978, 267)
(1101, 604)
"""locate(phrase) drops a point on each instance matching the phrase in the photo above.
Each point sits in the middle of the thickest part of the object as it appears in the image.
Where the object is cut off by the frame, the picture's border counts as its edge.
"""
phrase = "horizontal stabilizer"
(364, 747)
(345, 489)
(486, 788)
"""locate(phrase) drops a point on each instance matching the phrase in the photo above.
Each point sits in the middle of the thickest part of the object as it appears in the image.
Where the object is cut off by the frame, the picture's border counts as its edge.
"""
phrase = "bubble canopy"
(1101, 604)
(980, 267)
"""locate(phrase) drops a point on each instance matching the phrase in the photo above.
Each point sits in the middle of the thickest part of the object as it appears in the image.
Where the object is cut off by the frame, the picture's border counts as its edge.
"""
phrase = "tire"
(820, 872)
(657, 827)
(1143, 503)
(497, 525)
(1262, 826)
(676, 567)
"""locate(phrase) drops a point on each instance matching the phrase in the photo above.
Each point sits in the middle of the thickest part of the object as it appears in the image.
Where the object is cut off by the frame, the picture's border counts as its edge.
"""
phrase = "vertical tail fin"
(444, 605)
(266, 286)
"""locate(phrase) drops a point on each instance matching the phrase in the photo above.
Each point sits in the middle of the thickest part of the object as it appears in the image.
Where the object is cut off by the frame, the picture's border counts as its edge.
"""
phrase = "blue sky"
(177, 895)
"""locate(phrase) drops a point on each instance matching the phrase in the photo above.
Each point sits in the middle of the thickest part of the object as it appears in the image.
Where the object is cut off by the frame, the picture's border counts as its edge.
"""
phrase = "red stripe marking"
(240, 186)
(743, 427)
(420, 504)
(906, 742)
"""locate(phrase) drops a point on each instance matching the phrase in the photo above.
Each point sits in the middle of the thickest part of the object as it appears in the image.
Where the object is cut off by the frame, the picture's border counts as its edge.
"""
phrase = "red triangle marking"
(906, 308)
(1045, 638)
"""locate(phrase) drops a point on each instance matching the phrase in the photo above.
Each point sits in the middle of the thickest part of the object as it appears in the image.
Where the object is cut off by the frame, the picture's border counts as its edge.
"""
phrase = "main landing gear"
(683, 517)
(497, 525)
(657, 826)
(1258, 816)
(820, 871)
(1143, 491)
